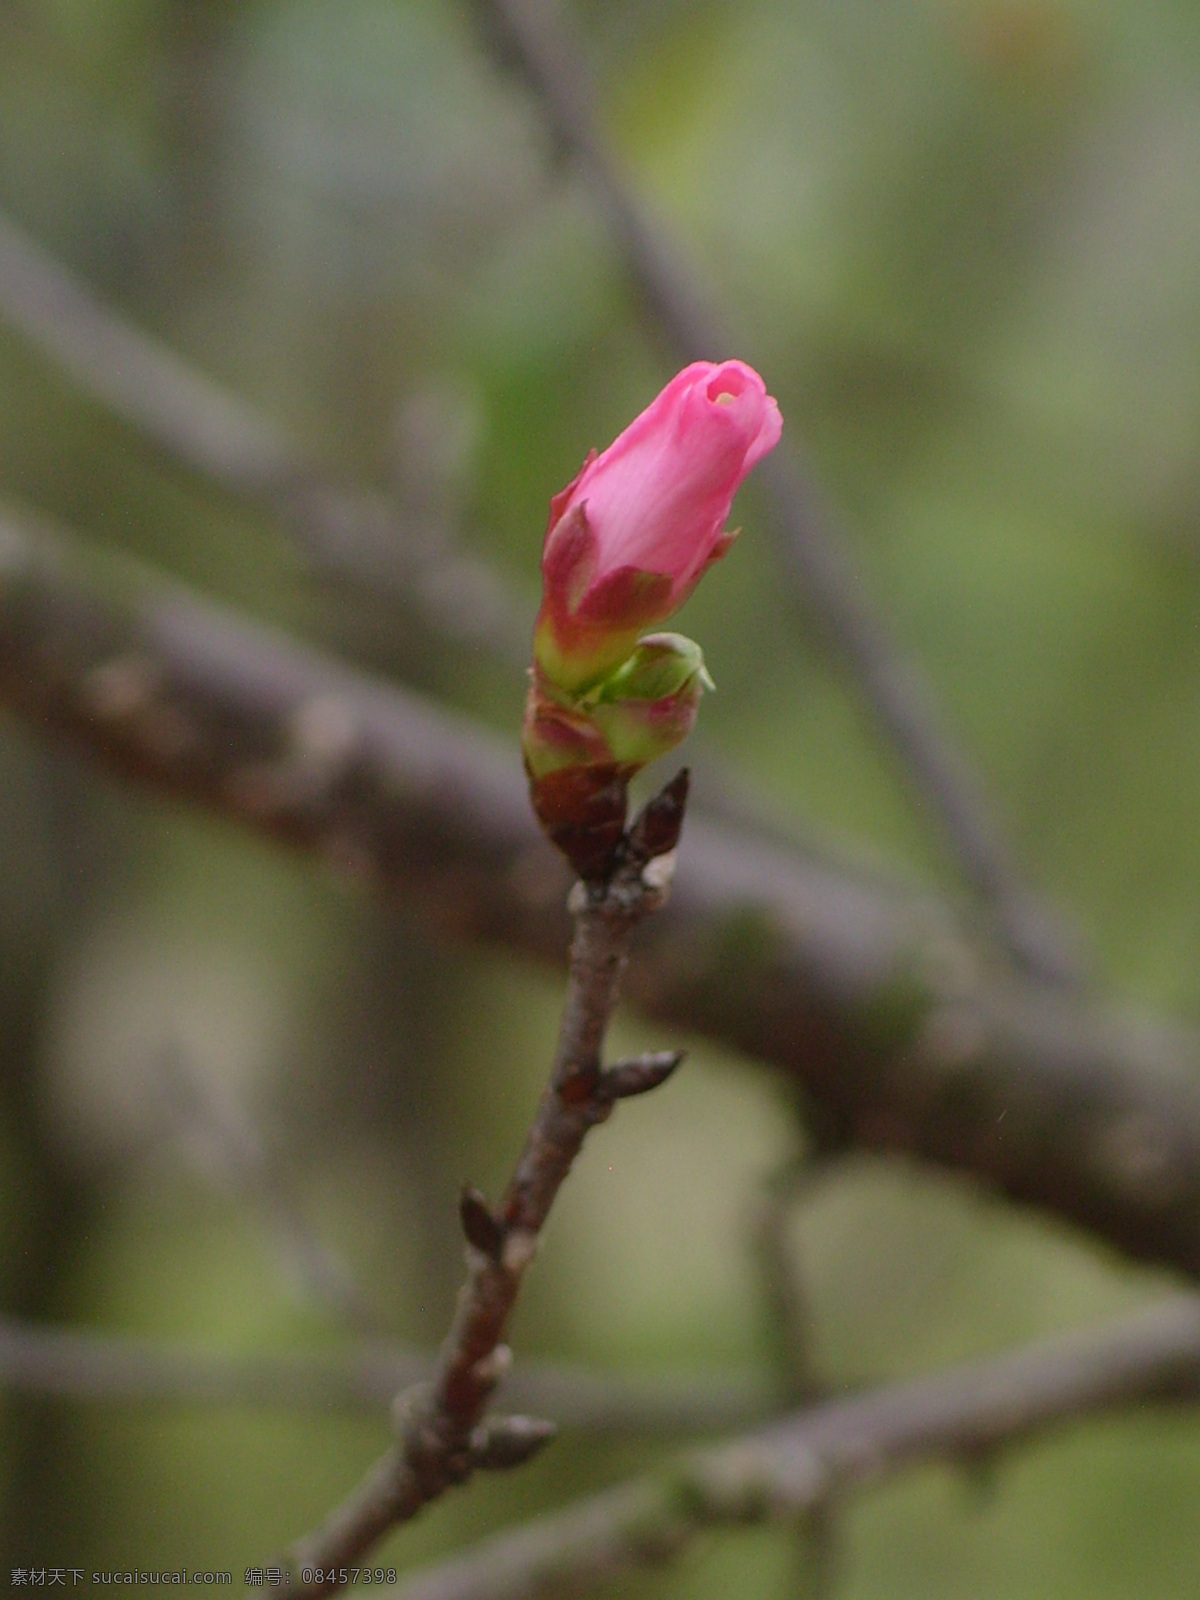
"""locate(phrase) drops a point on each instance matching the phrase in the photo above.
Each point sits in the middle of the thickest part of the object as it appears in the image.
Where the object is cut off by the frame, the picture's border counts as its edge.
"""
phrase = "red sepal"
(582, 810)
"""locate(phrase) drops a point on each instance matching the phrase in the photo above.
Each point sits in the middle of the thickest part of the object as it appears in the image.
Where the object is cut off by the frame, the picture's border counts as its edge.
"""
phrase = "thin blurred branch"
(308, 1263)
(441, 1434)
(787, 1469)
(782, 1281)
(789, 1324)
(344, 530)
(84, 1364)
(877, 1004)
(532, 37)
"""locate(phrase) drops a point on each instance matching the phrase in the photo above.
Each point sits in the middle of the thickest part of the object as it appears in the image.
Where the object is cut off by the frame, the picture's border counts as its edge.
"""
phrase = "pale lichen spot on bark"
(325, 731)
(520, 1247)
(1137, 1150)
(121, 687)
(953, 1037)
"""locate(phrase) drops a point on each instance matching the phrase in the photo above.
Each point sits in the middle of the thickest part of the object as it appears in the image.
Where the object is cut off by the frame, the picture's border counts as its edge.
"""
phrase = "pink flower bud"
(629, 539)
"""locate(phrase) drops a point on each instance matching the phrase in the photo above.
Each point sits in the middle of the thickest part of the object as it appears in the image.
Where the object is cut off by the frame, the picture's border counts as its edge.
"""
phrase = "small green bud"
(649, 704)
(661, 665)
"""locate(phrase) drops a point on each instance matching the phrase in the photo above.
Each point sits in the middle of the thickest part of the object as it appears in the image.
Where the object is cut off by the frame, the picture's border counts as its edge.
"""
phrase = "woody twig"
(442, 1435)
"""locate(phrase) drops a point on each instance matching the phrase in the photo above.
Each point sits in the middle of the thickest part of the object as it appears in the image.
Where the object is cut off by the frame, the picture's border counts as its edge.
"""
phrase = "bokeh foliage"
(959, 238)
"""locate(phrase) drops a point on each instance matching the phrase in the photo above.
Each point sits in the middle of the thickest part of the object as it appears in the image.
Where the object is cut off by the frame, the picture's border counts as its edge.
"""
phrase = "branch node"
(520, 1247)
(580, 1087)
(579, 899)
(409, 1410)
(657, 876)
(494, 1367)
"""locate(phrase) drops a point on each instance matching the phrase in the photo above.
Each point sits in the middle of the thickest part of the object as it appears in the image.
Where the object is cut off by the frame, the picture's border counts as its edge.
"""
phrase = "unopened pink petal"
(657, 502)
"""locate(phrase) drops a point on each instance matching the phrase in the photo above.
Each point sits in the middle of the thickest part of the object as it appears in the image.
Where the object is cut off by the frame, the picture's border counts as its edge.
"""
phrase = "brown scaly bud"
(660, 822)
(582, 809)
(638, 1074)
(484, 1230)
(503, 1442)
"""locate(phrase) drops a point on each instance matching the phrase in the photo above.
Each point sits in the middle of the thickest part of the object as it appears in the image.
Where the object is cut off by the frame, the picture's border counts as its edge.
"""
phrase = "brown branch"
(344, 530)
(533, 37)
(875, 1002)
(85, 1364)
(792, 1468)
(440, 1429)
(351, 531)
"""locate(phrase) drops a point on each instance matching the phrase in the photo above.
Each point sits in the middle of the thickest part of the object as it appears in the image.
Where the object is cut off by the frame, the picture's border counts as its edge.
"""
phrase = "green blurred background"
(960, 240)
